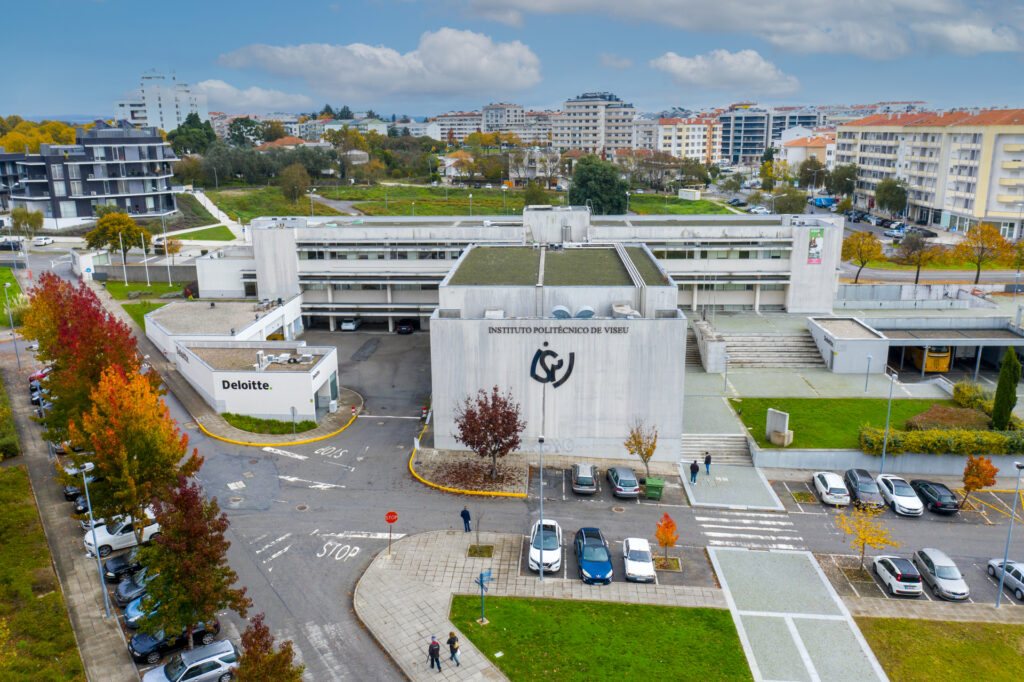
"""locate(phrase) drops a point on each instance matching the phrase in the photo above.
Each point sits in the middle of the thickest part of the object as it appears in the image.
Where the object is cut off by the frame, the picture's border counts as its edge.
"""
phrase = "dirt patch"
(666, 564)
(804, 497)
(947, 417)
(481, 551)
(467, 471)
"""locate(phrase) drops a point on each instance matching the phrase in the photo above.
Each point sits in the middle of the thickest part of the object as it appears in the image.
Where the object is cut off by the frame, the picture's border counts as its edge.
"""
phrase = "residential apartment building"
(745, 130)
(503, 117)
(821, 146)
(456, 126)
(961, 167)
(596, 122)
(120, 165)
(784, 118)
(8, 177)
(691, 138)
(645, 133)
(161, 102)
(538, 127)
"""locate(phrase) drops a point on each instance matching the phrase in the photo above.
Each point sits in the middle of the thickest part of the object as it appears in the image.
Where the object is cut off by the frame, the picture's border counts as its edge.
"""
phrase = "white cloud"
(221, 95)
(613, 61)
(743, 71)
(446, 62)
(876, 29)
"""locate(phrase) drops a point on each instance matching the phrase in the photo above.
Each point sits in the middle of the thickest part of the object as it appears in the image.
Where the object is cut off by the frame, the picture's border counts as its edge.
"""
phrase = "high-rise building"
(745, 129)
(595, 122)
(161, 102)
(503, 117)
(691, 138)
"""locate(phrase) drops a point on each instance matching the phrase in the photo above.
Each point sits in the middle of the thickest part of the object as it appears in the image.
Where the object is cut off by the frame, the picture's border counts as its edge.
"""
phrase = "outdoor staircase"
(692, 358)
(760, 349)
(725, 448)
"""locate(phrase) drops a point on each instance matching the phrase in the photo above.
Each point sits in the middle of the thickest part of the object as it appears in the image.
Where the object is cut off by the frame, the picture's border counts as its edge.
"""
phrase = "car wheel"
(226, 677)
(153, 658)
(1019, 594)
(892, 592)
(992, 571)
(105, 550)
(208, 638)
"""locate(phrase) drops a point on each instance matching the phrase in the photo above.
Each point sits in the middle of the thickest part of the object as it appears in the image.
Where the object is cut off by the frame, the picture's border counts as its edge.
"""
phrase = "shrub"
(255, 425)
(1006, 390)
(970, 394)
(942, 442)
(9, 445)
(946, 417)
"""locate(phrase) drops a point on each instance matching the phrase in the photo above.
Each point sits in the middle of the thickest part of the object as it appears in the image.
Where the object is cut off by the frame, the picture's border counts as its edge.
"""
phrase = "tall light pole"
(1009, 534)
(888, 412)
(95, 547)
(470, 204)
(867, 374)
(145, 260)
(725, 378)
(124, 268)
(540, 450)
(163, 224)
(414, 208)
(10, 319)
(504, 197)
(216, 183)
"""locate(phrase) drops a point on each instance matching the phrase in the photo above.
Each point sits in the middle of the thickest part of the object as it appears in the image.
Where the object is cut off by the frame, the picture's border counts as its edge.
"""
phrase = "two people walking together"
(434, 651)
(695, 468)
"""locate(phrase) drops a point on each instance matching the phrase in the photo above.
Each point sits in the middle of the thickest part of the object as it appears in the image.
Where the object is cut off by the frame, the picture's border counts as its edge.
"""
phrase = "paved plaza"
(730, 487)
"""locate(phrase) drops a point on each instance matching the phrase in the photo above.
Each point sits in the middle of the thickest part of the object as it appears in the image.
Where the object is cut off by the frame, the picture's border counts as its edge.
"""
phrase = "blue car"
(134, 613)
(593, 557)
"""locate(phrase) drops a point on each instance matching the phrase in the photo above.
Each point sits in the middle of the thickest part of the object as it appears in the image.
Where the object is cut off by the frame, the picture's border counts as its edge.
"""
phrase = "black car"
(39, 396)
(936, 497)
(117, 568)
(863, 489)
(885, 222)
(80, 505)
(405, 327)
(10, 246)
(73, 492)
(151, 648)
(733, 202)
(131, 588)
(927, 234)
(740, 203)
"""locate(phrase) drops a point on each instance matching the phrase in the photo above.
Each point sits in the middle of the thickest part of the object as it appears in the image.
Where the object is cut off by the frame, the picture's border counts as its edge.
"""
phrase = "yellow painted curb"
(277, 445)
(453, 490)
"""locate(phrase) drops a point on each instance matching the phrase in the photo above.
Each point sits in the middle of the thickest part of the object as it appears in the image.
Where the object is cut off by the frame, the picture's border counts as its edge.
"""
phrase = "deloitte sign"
(246, 385)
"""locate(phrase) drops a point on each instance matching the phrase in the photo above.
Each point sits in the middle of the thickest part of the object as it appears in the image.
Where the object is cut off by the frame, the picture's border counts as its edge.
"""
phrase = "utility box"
(654, 486)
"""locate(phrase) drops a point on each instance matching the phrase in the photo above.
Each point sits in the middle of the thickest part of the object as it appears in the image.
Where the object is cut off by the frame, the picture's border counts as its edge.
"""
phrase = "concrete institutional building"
(161, 102)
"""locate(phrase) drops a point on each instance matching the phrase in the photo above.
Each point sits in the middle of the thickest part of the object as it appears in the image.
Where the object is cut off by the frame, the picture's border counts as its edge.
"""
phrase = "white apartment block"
(161, 102)
(691, 138)
(503, 117)
(458, 125)
(645, 134)
(595, 122)
(961, 168)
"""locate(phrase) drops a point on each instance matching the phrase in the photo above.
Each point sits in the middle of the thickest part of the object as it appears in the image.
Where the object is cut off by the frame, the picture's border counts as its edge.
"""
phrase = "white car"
(41, 241)
(546, 546)
(350, 324)
(830, 488)
(898, 575)
(636, 554)
(119, 534)
(898, 494)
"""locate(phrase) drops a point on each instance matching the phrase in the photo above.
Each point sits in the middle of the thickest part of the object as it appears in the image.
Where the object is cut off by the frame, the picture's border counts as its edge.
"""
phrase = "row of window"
(720, 254)
(360, 286)
(380, 255)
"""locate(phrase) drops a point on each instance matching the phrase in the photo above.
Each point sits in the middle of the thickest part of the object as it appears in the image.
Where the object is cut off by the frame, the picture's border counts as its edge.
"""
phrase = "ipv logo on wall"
(549, 363)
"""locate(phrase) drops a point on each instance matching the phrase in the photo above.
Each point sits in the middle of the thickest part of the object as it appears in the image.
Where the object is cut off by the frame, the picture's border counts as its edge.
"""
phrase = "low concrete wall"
(711, 346)
(137, 273)
(912, 296)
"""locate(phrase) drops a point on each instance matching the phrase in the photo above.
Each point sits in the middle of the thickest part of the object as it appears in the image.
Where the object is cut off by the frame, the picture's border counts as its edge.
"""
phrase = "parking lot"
(558, 487)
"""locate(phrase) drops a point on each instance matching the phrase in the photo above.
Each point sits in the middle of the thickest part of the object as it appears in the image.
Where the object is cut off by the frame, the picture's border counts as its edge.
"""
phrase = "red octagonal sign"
(391, 516)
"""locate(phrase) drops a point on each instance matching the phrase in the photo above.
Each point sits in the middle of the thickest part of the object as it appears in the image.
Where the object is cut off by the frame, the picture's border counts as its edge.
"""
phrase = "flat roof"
(585, 267)
(649, 270)
(498, 266)
(846, 328)
(197, 317)
(243, 359)
(950, 334)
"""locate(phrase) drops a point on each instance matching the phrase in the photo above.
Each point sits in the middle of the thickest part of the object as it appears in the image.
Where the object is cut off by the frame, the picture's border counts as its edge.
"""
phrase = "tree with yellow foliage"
(866, 530)
(642, 441)
(982, 246)
(28, 135)
(862, 248)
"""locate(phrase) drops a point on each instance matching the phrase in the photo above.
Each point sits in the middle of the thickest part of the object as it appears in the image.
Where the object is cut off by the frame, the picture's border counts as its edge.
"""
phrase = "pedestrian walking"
(434, 653)
(465, 518)
(453, 647)
(707, 462)
(694, 470)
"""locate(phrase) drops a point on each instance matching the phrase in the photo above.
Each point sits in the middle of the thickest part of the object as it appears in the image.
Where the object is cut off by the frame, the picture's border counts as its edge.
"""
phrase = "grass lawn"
(190, 214)
(430, 200)
(6, 276)
(138, 311)
(828, 422)
(656, 205)
(911, 650)
(119, 290)
(42, 646)
(215, 233)
(941, 265)
(245, 204)
(582, 640)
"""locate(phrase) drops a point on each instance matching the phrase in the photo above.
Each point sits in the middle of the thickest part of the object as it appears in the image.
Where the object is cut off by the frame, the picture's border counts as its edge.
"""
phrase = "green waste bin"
(654, 488)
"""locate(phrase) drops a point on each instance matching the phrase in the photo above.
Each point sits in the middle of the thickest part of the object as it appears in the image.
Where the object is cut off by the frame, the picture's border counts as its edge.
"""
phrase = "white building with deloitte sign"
(587, 339)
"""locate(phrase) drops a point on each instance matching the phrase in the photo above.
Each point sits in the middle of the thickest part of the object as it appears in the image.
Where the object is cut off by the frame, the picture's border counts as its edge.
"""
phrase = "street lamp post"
(145, 260)
(163, 225)
(124, 268)
(725, 378)
(414, 208)
(540, 451)
(95, 547)
(888, 412)
(216, 183)
(10, 319)
(1009, 534)
(504, 198)
(311, 203)
(470, 204)
(627, 203)
(293, 420)
(867, 374)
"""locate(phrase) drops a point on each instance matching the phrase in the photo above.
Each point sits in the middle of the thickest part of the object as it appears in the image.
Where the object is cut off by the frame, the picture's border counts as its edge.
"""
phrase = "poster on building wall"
(817, 234)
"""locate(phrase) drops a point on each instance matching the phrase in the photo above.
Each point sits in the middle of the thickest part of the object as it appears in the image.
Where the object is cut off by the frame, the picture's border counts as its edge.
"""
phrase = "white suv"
(203, 664)
(898, 575)
(118, 534)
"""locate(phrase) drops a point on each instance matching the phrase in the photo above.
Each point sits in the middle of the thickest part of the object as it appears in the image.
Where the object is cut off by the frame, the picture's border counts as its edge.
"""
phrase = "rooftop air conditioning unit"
(584, 313)
(306, 357)
(560, 312)
(623, 311)
(283, 357)
(270, 358)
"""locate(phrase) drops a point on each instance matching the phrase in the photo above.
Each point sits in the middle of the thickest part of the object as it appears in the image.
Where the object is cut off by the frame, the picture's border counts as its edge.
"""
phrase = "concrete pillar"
(977, 363)
(903, 355)
(693, 299)
(924, 361)
(391, 320)
(331, 321)
(757, 298)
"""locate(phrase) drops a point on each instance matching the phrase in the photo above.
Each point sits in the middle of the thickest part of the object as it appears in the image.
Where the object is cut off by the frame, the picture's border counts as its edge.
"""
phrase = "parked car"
(203, 664)
(131, 588)
(927, 234)
(150, 649)
(117, 568)
(71, 491)
(37, 397)
(584, 478)
(119, 534)
(759, 210)
(10, 246)
(885, 222)
(41, 241)
(350, 324)
(636, 554)
(863, 489)
(405, 326)
(545, 546)
(40, 375)
(1014, 580)
(623, 482)
(733, 202)
(898, 494)
(134, 614)
(898, 575)
(595, 563)
(935, 496)
(740, 203)
(895, 234)
(80, 505)
(830, 488)
(939, 571)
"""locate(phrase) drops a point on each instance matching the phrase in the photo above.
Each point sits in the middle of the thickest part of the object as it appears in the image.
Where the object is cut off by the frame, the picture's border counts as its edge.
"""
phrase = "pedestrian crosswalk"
(748, 529)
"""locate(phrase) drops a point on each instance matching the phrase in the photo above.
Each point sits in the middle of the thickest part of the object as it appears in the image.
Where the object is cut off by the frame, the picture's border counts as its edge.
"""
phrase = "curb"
(277, 445)
(447, 489)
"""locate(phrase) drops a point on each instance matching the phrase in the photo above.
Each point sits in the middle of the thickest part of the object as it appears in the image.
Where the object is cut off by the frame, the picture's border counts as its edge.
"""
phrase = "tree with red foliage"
(490, 425)
(979, 473)
(191, 578)
(665, 532)
(259, 661)
(48, 306)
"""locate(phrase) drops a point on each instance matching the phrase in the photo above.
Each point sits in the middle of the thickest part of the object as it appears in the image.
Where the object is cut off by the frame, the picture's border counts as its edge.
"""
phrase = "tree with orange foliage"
(136, 447)
(982, 246)
(642, 442)
(979, 473)
(665, 532)
(259, 661)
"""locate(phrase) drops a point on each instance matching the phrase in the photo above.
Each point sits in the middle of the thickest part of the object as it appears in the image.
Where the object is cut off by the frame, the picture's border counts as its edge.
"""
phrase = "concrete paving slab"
(770, 383)
(836, 649)
(794, 578)
(705, 414)
(730, 487)
(775, 651)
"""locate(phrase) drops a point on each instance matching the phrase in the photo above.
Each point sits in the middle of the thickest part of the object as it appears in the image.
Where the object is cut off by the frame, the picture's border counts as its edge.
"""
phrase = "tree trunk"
(977, 275)
(647, 469)
(857, 278)
(917, 275)
(494, 466)
(863, 549)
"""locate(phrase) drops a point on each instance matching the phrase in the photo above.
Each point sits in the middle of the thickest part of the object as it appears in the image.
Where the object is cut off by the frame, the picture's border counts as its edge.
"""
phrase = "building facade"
(596, 122)
(503, 117)
(161, 102)
(456, 126)
(691, 138)
(745, 130)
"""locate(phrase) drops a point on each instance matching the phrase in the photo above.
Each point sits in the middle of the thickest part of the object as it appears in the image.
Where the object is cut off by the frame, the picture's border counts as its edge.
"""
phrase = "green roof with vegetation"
(648, 269)
(584, 268)
(498, 266)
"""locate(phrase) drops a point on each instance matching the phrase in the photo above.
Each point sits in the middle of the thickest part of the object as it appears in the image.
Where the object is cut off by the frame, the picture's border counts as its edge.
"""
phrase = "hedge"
(943, 442)
(970, 394)
(9, 445)
(256, 425)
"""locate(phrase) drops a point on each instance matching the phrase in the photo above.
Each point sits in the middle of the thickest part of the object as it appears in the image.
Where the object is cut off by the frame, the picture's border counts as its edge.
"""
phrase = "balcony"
(1012, 165)
(1010, 199)
(1011, 182)
(1011, 148)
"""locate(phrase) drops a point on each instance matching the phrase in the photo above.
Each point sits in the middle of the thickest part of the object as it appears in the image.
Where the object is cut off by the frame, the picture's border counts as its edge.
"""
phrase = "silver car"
(202, 664)
(1014, 580)
(939, 571)
(584, 478)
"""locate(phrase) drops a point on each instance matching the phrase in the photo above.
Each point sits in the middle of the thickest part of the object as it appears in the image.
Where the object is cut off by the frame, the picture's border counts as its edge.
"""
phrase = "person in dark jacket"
(465, 517)
(434, 653)
(694, 470)
(453, 647)
(707, 462)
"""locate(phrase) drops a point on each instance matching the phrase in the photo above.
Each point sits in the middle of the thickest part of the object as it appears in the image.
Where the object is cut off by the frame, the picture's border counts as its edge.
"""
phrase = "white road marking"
(750, 529)
(314, 485)
(277, 554)
(321, 643)
(758, 520)
(754, 545)
(284, 453)
(366, 535)
(237, 485)
(751, 536)
(273, 542)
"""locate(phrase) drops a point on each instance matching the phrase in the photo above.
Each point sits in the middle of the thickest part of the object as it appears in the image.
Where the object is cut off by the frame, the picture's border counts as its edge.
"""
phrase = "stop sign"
(391, 516)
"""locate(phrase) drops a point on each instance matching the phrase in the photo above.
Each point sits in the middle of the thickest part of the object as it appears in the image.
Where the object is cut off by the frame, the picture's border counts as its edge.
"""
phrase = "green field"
(41, 646)
(10, 446)
(430, 200)
(7, 277)
(138, 311)
(828, 422)
(912, 650)
(190, 214)
(657, 205)
(245, 204)
(119, 290)
(215, 233)
(584, 640)
(941, 265)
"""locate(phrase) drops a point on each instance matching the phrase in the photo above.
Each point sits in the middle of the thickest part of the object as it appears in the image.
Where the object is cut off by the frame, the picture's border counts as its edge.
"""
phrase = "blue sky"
(428, 56)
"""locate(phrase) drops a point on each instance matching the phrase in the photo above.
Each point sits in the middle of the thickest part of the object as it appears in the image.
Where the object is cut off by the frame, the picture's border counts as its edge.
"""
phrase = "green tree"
(26, 222)
(259, 661)
(188, 171)
(811, 172)
(693, 172)
(100, 210)
(768, 156)
(1006, 390)
(534, 195)
(767, 175)
(327, 111)
(345, 113)
(294, 182)
(597, 183)
(845, 204)
(732, 184)
(272, 130)
(117, 231)
(243, 131)
(714, 172)
(862, 248)
(891, 195)
(790, 199)
(842, 180)
(193, 135)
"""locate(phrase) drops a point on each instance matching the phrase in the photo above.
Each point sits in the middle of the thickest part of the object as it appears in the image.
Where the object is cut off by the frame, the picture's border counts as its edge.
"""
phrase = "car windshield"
(595, 553)
(867, 487)
(584, 480)
(548, 538)
(174, 668)
(837, 491)
(902, 489)
(641, 555)
(947, 572)
(946, 498)
(139, 579)
(627, 482)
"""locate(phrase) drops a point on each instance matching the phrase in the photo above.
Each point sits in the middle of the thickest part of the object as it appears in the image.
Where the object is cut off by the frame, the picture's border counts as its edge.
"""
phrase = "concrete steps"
(794, 349)
(725, 448)
(692, 358)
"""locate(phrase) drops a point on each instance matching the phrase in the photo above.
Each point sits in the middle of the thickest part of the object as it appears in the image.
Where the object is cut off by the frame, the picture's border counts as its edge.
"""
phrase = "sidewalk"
(936, 610)
(404, 598)
(236, 229)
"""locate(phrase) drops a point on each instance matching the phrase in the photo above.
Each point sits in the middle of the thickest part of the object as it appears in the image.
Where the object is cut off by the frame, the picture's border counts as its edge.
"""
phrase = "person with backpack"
(434, 653)
(453, 647)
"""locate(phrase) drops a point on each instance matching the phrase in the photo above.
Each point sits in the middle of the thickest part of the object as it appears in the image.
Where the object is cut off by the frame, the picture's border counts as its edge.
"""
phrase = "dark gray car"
(939, 571)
